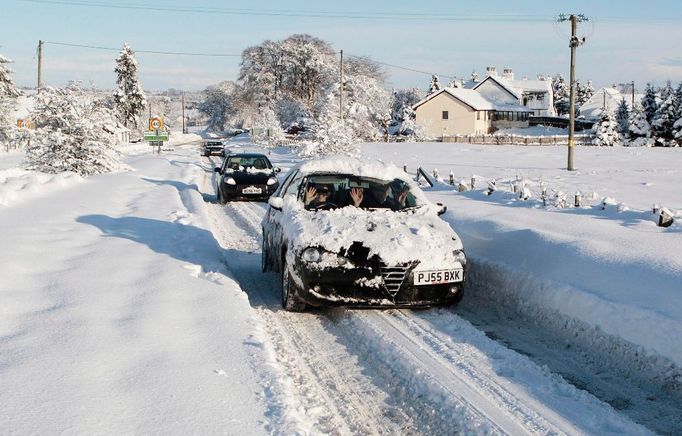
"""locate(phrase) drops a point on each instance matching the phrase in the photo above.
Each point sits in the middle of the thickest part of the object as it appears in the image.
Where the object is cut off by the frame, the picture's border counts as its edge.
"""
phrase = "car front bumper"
(235, 192)
(368, 287)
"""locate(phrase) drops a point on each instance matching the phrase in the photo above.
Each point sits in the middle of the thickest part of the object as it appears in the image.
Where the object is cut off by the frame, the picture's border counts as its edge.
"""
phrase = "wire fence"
(583, 139)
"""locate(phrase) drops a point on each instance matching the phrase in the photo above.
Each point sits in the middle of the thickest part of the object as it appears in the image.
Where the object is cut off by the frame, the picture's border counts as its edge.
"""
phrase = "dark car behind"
(246, 176)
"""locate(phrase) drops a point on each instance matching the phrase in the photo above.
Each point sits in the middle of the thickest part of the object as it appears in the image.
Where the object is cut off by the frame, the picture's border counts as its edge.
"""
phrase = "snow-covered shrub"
(129, 97)
(73, 133)
(266, 127)
(435, 85)
(8, 95)
(606, 130)
(331, 134)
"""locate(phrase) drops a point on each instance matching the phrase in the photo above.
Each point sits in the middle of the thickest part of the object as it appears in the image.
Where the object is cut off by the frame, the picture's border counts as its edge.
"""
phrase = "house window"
(445, 115)
(478, 115)
(541, 97)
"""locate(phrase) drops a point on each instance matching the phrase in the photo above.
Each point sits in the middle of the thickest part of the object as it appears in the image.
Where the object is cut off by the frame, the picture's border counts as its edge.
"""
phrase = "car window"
(293, 186)
(238, 163)
(282, 188)
(332, 190)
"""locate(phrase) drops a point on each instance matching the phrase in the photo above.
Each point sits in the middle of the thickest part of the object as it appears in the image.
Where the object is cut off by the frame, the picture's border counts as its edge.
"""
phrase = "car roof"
(248, 155)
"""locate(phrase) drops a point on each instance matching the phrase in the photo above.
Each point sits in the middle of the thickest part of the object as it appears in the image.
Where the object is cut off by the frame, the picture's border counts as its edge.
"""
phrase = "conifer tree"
(649, 103)
(639, 130)
(677, 126)
(129, 98)
(623, 118)
(8, 95)
(435, 84)
(606, 130)
(664, 118)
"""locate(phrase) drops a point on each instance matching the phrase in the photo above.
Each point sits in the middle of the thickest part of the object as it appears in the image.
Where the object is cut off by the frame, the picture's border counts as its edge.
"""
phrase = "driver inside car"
(317, 195)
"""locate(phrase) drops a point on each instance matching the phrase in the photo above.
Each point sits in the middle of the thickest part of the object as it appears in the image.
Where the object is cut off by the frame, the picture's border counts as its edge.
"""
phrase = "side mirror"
(276, 202)
(217, 169)
(278, 169)
(442, 209)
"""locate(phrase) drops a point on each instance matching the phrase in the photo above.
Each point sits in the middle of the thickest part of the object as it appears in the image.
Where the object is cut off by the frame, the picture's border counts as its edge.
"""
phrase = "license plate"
(438, 277)
(252, 190)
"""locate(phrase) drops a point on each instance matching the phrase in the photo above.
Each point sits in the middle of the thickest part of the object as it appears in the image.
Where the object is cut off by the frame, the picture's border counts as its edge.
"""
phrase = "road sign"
(155, 123)
(156, 136)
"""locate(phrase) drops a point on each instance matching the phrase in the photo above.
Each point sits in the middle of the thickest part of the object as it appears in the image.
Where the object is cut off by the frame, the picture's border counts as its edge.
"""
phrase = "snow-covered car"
(343, 232)
(213, 146)
(248, 176)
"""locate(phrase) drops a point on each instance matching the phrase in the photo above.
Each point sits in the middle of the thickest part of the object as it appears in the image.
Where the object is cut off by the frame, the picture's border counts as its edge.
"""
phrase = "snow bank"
(17, 185)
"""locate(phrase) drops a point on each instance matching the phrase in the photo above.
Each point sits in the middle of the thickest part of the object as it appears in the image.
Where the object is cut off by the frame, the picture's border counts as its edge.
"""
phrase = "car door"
(275, 232)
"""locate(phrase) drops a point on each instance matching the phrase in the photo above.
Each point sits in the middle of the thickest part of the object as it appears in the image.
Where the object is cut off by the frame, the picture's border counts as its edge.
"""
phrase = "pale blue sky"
(626, 40)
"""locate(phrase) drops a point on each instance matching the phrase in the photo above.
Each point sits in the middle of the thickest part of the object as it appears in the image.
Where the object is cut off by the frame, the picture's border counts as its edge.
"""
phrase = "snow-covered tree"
(267, 127)
(434, 85)
(331, 135)
(73, 133)
(665, 117)
(677, 125)
(649, 103)
(129, 98)
(402, 113)
(623, 118)
(606, 130)
(7, 86)
(639, 130)
(474, 76)
(8, 96)
(583, 93)
(218, 105)
(561, 95)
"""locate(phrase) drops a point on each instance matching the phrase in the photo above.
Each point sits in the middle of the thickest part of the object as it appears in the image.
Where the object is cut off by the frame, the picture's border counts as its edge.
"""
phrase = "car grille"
(393, 277)
(241, 187)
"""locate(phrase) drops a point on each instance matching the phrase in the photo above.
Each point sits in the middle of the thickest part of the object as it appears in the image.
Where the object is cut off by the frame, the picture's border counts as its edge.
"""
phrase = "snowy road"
(397, 371)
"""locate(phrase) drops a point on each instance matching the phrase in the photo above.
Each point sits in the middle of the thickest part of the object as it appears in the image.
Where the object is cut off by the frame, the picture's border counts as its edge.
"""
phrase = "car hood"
(395, 237)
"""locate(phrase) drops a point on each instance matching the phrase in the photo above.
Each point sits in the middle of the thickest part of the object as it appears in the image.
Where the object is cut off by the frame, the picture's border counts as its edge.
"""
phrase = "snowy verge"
(17, 185)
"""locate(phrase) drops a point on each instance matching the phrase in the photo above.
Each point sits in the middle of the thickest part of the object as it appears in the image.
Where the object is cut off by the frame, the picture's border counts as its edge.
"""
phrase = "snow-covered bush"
(73, 133)
(435, 85)
(8, 95)
(606, 130)
(266, 126)
(129, 98)
(331, 134)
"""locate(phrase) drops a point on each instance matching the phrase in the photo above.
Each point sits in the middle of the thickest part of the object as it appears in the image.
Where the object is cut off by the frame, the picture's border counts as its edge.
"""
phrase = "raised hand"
(310, 194)
(356, 194)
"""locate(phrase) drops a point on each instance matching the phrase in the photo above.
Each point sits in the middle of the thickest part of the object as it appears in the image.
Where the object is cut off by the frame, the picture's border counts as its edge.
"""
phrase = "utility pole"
(40, 64)
(182, 99)
(633, 95)
(574, 43)
(341, 89)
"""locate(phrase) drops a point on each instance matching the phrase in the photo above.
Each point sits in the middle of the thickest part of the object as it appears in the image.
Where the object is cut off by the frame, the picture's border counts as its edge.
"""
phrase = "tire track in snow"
(321, 386)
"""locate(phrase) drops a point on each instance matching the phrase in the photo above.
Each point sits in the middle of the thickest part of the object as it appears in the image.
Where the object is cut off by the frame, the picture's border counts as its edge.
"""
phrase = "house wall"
(461, 117)
(541, 103)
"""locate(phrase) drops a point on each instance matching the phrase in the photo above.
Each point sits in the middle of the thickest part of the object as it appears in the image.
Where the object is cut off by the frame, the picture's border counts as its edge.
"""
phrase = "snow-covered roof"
(503, 83)
(592, 108)
(350, 165)
(469, 97)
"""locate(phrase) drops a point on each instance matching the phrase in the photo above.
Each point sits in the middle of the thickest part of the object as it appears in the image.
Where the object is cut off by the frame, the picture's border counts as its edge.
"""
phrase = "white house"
(535, 95)
(461, 111)
(609, 97)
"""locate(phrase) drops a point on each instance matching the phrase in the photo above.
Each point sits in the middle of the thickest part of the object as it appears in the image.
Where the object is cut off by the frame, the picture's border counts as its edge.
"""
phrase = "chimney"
(508, 73)
(491, 71)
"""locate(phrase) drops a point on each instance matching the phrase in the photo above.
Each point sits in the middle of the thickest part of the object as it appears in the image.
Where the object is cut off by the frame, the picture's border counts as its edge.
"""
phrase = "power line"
(400, 67)
(405, 16)
(174, 53)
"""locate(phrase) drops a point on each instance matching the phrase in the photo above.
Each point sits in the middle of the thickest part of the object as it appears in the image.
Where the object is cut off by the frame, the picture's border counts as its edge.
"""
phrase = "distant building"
(461, 111)
(606, 97)
(535, 95)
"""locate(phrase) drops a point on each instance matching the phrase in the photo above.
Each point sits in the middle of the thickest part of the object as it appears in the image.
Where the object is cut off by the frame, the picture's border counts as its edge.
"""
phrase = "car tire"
(289, 301)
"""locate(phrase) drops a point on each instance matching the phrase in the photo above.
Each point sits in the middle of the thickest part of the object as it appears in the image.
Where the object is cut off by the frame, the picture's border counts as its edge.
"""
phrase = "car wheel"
(289, 301)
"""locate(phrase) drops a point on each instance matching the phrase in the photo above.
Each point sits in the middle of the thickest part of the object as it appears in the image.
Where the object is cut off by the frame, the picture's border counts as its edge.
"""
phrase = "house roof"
(592, 108)
(469, 97)
(517, 87)
(474, 100)
(503, 83)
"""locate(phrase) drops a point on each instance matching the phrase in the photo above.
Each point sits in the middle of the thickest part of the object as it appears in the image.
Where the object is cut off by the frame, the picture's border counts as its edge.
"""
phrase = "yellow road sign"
(155, 123)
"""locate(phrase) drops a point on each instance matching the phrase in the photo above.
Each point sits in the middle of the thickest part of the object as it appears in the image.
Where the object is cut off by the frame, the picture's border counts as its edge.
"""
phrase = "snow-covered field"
(132, 303)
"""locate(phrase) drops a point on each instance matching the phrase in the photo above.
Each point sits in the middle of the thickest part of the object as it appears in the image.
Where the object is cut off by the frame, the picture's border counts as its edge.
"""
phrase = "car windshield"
(240, 163)
(334, 191)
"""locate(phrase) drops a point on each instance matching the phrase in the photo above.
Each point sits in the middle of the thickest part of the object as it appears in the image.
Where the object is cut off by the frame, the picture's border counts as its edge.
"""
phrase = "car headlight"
(460, 257)
(230, 181)
(272, 181)
(311, 255)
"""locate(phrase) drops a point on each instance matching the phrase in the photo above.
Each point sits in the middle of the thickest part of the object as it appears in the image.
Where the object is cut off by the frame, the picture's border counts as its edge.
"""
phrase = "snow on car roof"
(350, 165)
